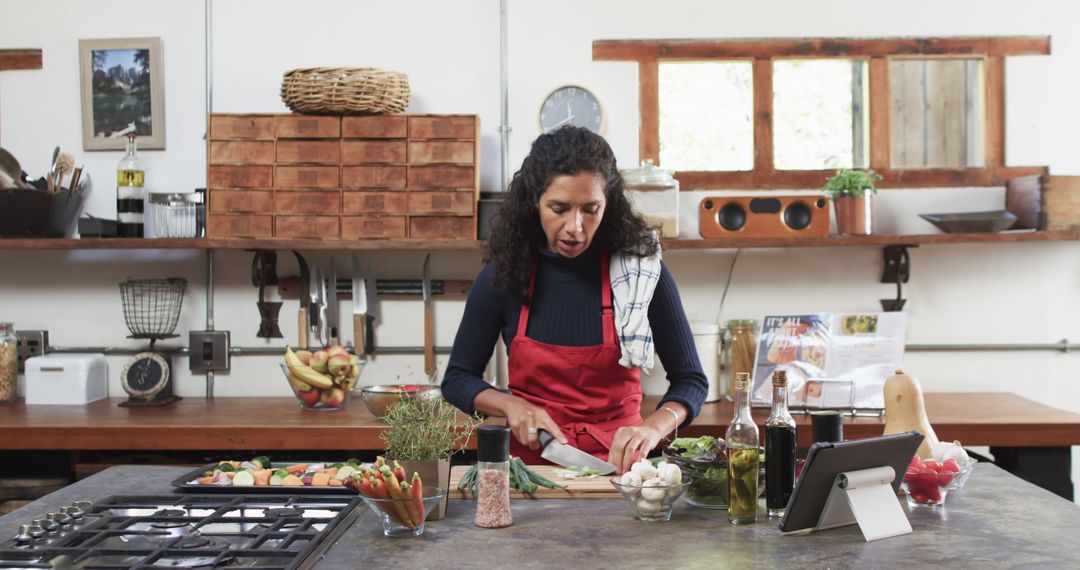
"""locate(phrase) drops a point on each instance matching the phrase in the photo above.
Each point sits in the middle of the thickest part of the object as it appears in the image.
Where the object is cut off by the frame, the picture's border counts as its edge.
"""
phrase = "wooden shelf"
(469, 245)
(11, 59)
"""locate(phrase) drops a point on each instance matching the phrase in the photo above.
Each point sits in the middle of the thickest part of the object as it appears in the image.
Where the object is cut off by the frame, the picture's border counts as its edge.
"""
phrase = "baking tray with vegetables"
(259, 475)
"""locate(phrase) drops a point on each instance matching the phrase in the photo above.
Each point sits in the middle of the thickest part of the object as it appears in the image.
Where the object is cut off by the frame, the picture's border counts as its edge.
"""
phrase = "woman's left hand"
(632, 443)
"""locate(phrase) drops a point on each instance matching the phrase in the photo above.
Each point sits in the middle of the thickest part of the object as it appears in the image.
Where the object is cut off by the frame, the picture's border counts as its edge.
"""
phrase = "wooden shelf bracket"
(897, 270)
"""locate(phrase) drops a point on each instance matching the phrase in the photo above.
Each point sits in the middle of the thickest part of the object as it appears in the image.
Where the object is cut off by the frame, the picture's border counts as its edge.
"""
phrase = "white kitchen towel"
(633, 281)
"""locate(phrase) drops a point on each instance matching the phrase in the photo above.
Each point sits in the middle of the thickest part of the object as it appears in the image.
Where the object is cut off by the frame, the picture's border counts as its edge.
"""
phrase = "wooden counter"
(995, 419)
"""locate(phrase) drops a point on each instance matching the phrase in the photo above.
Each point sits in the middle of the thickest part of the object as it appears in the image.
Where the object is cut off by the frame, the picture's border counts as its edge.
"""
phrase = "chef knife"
(570, 456)
(429, 322)
(332, 312)
(318, 304)
(373, 308)
(305, 302)
(362, 333)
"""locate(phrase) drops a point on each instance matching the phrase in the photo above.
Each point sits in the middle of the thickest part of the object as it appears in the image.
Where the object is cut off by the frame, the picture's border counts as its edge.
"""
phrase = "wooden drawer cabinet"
(442, 152)
(443, 127)
(301, 177)
(229, 152)
(242, 127)
(329, 177)
(228, 176)
(373, 151)
(375, 127)
(239, 226)
(375, 203)
(373, 227)
(313, 227)
(363, 177)
(459, 203)
(255, 201)
(307, 127)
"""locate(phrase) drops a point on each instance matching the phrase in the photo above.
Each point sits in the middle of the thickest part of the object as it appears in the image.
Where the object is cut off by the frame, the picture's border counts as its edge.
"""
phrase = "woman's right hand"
(524, 418)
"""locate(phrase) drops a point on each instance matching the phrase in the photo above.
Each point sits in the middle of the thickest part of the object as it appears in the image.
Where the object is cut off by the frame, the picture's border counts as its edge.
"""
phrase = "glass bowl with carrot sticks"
(400, 501)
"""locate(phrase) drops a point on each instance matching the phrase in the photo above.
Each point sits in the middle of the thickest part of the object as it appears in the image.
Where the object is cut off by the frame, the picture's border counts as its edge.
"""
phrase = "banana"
(305, 374)
(308, 375)
(298, 384)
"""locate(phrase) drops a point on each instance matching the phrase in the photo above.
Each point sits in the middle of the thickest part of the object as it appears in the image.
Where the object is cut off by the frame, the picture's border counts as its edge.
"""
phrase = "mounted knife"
(363, 335)
(305, 302)
(429, 322)
(332, 313)
(570, 456)
(373, 307)
(318, 308)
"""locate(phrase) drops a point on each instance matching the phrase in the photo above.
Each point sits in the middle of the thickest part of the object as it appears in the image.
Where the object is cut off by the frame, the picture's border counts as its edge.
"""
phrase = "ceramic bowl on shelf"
(972, 222)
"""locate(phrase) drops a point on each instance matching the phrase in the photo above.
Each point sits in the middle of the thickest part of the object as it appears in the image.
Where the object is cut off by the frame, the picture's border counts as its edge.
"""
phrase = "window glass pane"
(706, 115)
(936, 112)
(819, 114)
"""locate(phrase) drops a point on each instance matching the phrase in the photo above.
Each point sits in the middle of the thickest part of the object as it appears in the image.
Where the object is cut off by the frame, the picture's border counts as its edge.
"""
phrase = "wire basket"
(152, 306)
(345, 90)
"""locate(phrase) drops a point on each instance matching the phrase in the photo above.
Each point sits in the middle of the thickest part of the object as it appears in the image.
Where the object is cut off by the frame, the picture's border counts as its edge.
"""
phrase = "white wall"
(1015, 293)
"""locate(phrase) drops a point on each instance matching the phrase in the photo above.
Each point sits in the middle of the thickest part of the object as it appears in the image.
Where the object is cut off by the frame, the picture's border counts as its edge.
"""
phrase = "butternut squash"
(906, 411)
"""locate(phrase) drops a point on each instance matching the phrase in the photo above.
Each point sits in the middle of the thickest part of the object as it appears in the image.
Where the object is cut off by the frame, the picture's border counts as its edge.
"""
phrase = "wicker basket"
(345, 90)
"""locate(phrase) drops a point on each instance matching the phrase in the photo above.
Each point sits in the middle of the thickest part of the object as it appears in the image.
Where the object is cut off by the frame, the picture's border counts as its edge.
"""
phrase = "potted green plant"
(851, 191)
(423, 434)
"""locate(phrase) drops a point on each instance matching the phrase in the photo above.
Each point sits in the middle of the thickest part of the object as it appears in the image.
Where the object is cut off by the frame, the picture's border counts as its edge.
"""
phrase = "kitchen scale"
(151, 310)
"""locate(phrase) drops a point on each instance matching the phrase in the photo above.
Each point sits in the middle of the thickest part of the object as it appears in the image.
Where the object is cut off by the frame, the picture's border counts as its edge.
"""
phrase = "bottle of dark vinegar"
(779, 449)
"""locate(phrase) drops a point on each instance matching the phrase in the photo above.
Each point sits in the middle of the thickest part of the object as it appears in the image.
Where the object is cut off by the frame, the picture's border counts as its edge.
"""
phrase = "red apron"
(583, 388)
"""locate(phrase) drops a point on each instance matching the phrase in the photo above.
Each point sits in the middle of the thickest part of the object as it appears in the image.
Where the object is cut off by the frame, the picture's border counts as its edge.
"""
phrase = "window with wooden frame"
(786, 113)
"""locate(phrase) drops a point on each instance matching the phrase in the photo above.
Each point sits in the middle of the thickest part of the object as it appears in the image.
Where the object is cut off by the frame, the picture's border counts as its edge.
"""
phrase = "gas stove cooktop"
(183, 531)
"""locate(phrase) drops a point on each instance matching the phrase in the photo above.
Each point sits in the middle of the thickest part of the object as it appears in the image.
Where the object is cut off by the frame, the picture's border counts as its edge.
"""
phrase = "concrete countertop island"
(997, 521)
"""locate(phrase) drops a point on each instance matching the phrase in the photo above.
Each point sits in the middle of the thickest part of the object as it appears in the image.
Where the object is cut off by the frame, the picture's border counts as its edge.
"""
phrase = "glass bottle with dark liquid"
(779, 449)
(742, 453)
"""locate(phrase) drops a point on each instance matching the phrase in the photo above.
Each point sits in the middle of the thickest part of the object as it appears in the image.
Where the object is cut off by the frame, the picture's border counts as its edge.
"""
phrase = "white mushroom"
(633, 483)
(670, 473)
(647, 507)
(644, 469)
(653, 490)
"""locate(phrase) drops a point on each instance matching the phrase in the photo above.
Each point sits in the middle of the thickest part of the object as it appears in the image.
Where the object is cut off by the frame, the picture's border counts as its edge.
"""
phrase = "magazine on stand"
(832, 360)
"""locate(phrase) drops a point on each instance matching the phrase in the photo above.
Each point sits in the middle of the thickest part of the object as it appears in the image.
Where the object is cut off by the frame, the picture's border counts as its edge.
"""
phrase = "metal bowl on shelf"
(972, 222)
(378, 399)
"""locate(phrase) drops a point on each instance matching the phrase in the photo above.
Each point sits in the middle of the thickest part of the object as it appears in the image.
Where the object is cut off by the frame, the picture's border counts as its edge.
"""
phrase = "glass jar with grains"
(9, 363)
(740, 349)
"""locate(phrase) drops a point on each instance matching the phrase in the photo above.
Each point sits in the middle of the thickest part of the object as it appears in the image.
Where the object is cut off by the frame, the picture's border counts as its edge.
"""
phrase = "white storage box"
(66, 379)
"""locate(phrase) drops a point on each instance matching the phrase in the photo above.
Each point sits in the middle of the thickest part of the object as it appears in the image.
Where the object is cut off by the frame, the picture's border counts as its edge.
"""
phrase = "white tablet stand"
(865, 497)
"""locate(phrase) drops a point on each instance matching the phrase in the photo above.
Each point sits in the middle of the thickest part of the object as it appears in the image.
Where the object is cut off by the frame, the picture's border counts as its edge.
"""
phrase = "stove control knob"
(47, 524)
(24, 538)
(84, 506)
(60, 519)
(36, 531)
(73, 512)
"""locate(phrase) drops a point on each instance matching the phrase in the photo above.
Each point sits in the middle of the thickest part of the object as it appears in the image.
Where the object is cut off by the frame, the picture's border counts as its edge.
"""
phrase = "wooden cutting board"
(597, 488)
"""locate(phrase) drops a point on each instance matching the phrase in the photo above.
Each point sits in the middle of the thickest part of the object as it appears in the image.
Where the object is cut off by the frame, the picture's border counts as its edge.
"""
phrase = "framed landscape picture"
(122, 92)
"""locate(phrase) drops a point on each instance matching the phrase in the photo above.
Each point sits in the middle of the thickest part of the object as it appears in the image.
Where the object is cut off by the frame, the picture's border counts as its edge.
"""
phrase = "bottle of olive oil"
(130, 178)
(742, 452)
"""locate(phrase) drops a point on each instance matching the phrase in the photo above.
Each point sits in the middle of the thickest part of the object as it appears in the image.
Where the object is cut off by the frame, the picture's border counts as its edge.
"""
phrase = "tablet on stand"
(853, 482)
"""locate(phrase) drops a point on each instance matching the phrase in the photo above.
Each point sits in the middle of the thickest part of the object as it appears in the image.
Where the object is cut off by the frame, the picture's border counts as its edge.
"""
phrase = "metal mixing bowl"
(379, 398)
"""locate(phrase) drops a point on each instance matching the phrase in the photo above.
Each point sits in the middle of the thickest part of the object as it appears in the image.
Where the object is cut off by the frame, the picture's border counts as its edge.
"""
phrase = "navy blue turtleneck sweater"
(566, 312)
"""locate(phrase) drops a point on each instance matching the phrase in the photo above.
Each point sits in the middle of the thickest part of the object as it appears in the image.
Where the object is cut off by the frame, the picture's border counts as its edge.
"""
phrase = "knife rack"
(289, 288)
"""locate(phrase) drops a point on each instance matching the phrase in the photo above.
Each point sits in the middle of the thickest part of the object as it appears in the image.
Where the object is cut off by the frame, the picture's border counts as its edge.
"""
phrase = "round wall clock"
(571, 105)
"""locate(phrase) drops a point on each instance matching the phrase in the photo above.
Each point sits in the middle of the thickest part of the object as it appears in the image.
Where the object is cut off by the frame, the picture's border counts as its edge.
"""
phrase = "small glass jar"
(9, 363)
(493, 477)
(654, 193)
(740, 346)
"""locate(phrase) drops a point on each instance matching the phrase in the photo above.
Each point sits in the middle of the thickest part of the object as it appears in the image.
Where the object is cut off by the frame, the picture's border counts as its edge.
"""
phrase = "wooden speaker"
(763, 216)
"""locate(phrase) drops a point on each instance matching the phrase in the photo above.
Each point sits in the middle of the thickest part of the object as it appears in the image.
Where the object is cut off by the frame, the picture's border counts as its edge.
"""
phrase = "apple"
(337, 349)
(333, 397)
(319, 360)
(338, 365)
(311, 397)
(304, 356)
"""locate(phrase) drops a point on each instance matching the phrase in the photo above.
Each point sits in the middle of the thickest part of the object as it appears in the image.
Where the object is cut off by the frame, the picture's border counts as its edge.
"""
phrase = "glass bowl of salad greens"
(703, 461)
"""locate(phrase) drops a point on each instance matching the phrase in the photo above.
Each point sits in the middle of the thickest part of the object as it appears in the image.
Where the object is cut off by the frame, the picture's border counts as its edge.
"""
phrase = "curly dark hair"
(516, 230)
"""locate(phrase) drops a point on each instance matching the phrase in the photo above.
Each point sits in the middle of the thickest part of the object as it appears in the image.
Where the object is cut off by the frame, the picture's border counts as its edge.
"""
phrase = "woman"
(546, 288)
